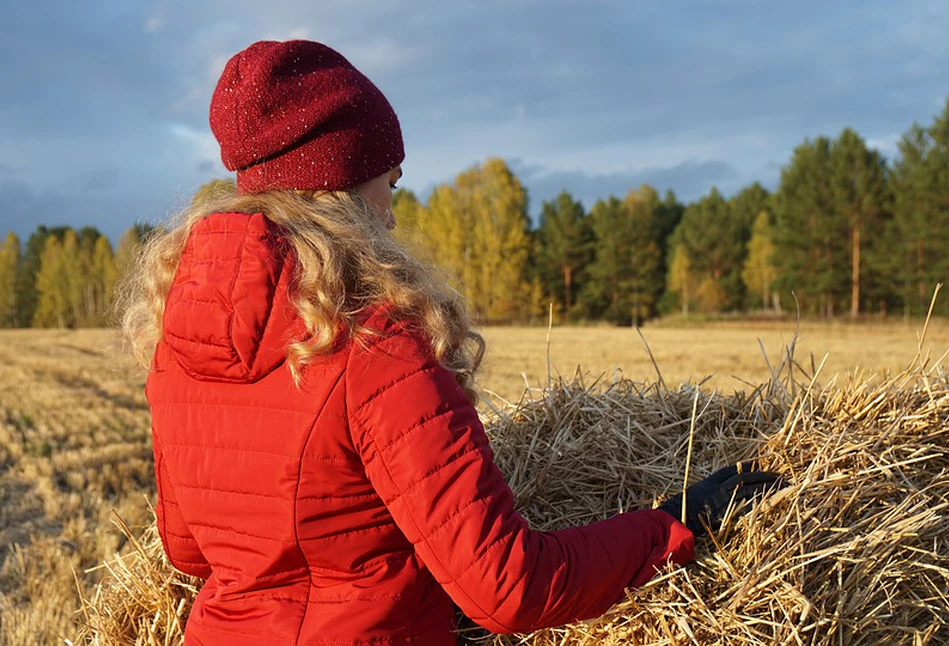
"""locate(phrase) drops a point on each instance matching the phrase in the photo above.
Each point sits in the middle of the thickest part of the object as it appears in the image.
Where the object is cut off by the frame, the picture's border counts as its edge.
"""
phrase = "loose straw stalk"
(854, 552)
(688, 457)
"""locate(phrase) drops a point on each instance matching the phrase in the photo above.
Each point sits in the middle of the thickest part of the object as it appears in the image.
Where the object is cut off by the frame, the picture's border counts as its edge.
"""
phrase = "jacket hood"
(227, 315)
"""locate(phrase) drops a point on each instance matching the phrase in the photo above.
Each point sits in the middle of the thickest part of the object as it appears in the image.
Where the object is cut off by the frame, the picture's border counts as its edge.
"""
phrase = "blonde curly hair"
(347, 261)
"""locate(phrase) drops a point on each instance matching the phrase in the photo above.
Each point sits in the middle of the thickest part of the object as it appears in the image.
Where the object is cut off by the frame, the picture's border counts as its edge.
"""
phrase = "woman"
(318, 456)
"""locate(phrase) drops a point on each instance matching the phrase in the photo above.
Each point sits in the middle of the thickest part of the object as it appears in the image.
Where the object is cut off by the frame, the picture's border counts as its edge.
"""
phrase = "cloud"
(690, 179)
(888, 145)
(199, 143)
(25, 208)
(597, 96)
(99, 179)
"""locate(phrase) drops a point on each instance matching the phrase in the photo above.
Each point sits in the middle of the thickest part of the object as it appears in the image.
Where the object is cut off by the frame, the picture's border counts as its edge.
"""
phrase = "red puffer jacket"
(362, 509)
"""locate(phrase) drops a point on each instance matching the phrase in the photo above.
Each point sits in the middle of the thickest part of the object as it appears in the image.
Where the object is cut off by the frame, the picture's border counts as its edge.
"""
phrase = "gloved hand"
(709, 499)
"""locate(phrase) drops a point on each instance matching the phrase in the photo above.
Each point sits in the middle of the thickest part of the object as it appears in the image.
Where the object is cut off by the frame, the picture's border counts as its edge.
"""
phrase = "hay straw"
(141, 600)
(688, 459)
(854, 551)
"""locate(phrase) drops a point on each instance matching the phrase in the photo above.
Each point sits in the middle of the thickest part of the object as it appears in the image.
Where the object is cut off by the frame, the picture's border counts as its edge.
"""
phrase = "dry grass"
(729, 352)
(852, 552)
(74, 443)
(142, 600)
(855, 551)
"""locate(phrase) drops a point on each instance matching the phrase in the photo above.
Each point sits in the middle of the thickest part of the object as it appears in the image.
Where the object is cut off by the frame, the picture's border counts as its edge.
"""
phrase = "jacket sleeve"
(176, 539)
(426, 453)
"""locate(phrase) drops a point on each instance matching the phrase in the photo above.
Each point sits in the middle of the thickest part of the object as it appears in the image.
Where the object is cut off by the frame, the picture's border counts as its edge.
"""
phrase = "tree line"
(846, 231)
(63, 277)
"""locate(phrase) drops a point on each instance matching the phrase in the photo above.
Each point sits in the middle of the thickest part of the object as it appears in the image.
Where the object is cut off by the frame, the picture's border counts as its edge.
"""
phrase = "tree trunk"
(90, 312)
(567, 272)
(855, 272)
(920, 270)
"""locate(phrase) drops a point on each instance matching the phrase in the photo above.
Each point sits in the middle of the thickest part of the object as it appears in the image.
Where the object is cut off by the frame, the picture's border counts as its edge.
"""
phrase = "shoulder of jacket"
(384, 324)
(387, 338)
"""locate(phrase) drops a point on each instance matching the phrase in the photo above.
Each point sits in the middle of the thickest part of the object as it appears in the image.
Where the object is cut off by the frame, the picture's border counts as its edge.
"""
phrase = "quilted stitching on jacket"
(364, 509)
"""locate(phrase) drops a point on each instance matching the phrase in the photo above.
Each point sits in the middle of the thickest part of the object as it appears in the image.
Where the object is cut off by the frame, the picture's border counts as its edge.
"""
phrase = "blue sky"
(103, 113)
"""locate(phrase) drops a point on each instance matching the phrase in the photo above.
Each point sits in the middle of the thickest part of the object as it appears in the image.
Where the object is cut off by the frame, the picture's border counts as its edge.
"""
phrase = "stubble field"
(75, 441)
(729, 355)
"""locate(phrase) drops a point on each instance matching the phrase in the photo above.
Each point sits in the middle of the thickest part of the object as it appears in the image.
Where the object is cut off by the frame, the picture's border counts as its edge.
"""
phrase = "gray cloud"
(99, 179)
(689, 179)
(599, 96)
(24, 209)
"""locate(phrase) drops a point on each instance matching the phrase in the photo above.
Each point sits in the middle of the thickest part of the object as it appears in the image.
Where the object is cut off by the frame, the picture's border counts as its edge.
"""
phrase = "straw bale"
(854, 551)
(141, 599)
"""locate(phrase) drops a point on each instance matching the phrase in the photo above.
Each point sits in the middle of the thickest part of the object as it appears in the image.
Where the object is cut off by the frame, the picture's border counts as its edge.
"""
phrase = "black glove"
(709, 499)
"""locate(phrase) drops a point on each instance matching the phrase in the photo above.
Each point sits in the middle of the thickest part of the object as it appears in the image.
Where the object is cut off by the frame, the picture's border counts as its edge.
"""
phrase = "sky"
(104, 106)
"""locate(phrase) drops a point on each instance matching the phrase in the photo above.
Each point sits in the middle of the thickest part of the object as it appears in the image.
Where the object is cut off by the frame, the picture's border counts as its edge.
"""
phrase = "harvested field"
(74, 443)
(853, 553)
(729, 352)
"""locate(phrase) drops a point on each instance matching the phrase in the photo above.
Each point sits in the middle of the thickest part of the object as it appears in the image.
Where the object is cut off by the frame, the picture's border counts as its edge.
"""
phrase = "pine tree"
(625, 277)
(9, 262)
(910, 230)
(860, 195)
(938, 163)
(643, 284)
(918, 235)
(744, 208)
(747, 205)
(712, 238)
(668, 217)
(562, 250)
(602, 295)
(810, 241)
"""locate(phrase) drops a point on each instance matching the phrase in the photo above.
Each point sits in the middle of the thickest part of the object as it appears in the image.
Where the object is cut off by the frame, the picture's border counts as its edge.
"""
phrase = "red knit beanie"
(297, 115)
